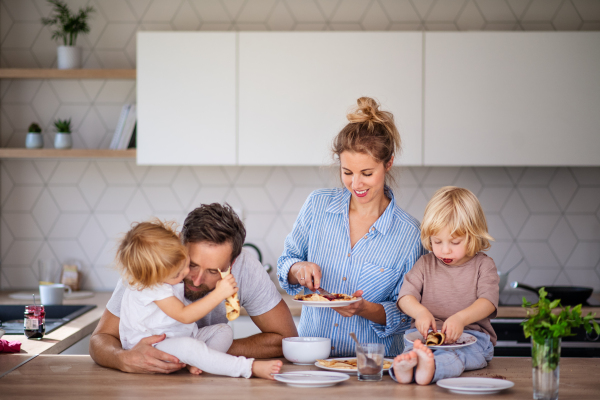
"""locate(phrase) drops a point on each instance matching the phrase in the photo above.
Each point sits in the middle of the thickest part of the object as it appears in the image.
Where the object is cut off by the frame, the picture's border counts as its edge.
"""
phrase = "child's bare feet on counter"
(266, 369)
(425, 364)
(404, 366)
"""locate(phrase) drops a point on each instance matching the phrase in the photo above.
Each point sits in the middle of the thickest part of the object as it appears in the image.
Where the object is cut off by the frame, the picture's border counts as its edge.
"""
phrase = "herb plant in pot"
(548, 322)
(34, 139)
(68, 26)
(63, 139)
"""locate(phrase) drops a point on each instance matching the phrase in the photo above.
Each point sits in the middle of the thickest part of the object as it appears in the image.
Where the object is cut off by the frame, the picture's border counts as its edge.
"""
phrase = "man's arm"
(106, 350)
(275, 325)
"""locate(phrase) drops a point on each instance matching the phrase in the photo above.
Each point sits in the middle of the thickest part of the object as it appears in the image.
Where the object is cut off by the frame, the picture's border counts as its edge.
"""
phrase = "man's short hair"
(215, 223)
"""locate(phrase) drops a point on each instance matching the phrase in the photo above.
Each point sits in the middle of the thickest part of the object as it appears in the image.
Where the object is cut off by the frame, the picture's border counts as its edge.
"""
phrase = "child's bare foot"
(194, 370)
(265, 369)
(404, 366)
(425, 364)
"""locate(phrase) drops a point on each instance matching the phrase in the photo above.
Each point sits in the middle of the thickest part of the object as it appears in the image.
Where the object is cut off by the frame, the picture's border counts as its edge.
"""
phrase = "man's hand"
(226, 287)
(144, 358)
(354, 308)
(423, 321)
(453, 328)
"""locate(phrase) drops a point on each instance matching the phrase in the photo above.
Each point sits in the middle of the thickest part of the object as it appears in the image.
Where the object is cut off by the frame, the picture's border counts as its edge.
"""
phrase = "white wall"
(63, 209)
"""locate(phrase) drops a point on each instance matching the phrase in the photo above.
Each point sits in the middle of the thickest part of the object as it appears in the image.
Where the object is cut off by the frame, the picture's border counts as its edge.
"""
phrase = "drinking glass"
(370, 370)
(49, 271)
(545, 357)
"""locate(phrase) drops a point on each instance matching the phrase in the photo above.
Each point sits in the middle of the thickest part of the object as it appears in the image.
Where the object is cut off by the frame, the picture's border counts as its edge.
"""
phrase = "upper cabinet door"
(512, 98)
(295, 89)
(186, 94)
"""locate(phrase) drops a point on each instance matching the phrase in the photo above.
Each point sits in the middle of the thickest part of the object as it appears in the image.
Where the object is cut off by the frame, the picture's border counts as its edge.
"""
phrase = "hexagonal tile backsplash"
(77, 209)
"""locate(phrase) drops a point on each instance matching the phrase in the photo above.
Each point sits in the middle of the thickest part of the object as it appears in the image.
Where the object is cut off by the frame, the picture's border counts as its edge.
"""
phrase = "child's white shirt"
(141, 317)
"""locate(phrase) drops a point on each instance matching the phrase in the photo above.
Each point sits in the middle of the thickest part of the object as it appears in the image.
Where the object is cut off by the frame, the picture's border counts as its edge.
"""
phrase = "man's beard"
(193, 295)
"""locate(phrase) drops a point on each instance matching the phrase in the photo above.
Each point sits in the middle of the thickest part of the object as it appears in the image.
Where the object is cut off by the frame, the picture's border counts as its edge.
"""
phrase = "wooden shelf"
(37, 73)
(70, 153)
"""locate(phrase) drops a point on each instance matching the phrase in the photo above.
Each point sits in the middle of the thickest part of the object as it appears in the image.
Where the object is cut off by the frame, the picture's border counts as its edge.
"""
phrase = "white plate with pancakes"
(464, 340)
(349, 370)
(322, 301)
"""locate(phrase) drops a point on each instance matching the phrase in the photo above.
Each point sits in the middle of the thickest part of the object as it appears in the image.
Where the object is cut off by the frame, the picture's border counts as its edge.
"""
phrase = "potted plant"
(548, 322)
(34, 139)
(63, 139)
(68, 26)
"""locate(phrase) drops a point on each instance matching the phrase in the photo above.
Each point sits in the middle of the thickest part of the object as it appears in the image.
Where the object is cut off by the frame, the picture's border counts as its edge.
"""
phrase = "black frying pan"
(569, 295)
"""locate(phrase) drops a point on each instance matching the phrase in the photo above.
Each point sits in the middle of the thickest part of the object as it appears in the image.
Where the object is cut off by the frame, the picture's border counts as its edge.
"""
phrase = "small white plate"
(313, 379)
(326, 304)
(344, 370)
(68, 296)
(475, 385)
(465, 339)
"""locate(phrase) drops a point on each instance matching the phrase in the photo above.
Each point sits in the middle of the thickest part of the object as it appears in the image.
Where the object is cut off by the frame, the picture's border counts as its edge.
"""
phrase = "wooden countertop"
(75, 377)
(64, 337)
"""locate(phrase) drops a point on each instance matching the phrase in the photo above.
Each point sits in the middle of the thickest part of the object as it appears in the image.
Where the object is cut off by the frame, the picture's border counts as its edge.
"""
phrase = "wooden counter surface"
(67, 335)
(76, 377)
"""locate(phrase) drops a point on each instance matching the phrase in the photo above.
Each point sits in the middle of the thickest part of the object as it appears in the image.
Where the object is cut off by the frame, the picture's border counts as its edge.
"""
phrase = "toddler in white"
(154, 262)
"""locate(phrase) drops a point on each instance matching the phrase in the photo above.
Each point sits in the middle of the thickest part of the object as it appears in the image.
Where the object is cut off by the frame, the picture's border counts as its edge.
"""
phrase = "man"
(214, 236)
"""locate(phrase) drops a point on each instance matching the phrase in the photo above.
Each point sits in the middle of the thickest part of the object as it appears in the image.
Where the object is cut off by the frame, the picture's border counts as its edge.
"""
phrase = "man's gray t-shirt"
(257, 292)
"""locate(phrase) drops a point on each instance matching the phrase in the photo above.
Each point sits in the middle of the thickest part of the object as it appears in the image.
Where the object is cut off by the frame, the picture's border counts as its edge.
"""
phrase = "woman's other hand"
(453, 328)
(354, 308)
(306, 274)
(423, 321)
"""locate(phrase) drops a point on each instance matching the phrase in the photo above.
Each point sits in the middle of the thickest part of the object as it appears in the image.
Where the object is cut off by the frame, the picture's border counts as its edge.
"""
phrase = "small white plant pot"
(34, 140)
(63, 141)
(69, 57)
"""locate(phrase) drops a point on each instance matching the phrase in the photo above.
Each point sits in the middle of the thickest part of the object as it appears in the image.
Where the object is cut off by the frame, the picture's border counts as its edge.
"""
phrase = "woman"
(355, 240)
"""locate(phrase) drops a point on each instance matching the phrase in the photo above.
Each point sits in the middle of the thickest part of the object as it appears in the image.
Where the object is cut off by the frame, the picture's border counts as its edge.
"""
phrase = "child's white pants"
(206, 351)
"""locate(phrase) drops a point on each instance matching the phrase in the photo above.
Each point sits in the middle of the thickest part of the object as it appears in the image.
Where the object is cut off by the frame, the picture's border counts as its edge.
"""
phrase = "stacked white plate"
(311, 379)
(475, 385)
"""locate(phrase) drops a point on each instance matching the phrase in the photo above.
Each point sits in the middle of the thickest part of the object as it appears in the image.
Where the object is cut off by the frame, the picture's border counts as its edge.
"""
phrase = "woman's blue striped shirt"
(376, 265)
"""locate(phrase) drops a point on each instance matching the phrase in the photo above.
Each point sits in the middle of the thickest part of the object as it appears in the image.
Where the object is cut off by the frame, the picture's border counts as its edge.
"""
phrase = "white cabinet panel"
(512, 98)
(295, 89)
(186, 91)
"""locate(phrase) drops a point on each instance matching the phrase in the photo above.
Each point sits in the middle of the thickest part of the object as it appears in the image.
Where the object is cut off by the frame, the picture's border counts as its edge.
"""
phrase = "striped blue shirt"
(376, 265)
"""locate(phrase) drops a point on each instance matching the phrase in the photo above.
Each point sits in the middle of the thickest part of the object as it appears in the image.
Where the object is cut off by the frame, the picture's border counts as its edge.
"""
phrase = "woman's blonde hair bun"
(366, 110)
(369, 131)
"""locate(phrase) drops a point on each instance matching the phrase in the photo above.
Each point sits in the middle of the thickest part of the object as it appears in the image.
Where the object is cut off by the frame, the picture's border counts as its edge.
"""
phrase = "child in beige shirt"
(453, 289)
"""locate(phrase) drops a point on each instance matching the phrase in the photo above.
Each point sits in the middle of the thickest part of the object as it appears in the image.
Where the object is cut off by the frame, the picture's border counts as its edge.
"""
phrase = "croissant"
(232, 303)
(435, 339)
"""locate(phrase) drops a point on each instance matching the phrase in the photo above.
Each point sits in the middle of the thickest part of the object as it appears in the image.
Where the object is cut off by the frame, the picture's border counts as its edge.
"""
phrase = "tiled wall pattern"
(77, 209)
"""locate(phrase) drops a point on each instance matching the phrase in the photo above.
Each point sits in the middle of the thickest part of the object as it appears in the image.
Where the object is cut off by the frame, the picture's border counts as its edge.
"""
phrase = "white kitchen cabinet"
(295, 89)
(186, 97)
(512, 98)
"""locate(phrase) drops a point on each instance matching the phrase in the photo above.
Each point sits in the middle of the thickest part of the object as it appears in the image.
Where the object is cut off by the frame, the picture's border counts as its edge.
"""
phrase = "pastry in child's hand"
(232, 303)
(435, 339)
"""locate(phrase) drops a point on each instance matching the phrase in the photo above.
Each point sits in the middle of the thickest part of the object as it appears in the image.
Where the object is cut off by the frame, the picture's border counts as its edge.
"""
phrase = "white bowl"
(306, 350)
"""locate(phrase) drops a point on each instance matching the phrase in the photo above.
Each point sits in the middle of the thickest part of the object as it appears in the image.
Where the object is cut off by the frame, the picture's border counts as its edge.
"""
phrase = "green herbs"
(34, 128)
(68, 24)
(63, 125)
(544, 324)
(546, 328)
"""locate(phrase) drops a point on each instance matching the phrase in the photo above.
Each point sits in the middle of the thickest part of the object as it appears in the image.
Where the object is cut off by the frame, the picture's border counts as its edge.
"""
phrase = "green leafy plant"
(63, 125)
(68, 25)
(34, 128)
(543, 324)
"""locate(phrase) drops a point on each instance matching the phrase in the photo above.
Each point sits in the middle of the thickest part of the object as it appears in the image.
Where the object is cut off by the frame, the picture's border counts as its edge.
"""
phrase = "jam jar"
(34, 322)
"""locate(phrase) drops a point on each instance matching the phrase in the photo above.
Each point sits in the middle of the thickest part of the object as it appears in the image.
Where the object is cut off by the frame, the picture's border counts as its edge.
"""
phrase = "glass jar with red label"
(34, 322)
